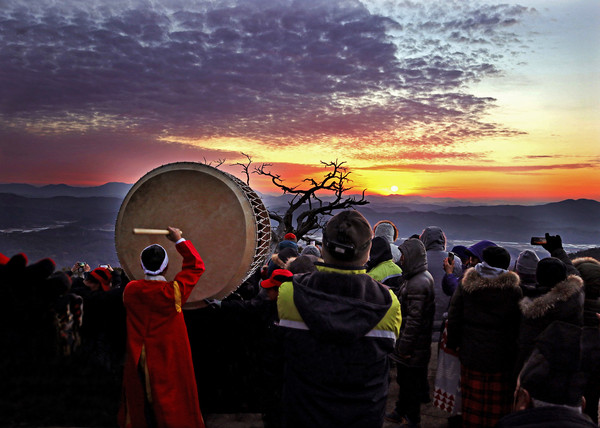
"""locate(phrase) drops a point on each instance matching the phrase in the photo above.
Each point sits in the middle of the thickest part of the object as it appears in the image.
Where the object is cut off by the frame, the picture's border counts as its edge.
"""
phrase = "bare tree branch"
(245, 167)
(218, 162)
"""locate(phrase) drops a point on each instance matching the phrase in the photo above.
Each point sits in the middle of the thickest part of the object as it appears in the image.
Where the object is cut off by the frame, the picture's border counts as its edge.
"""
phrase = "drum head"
(213, 212)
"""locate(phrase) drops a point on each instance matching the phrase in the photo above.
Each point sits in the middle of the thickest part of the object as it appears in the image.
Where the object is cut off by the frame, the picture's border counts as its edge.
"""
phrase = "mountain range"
(72, 224)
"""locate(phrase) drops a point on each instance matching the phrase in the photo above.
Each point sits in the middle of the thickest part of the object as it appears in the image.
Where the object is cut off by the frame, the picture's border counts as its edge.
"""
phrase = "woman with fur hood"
(589, 269)
(558, 297)
(483, 325)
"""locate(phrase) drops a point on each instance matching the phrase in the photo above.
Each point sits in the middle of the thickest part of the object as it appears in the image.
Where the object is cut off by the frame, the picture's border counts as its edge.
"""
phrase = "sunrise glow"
(502, 105)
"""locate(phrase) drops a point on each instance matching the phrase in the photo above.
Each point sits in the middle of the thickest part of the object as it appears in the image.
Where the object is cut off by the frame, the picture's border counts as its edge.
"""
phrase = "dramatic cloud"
(291, 71)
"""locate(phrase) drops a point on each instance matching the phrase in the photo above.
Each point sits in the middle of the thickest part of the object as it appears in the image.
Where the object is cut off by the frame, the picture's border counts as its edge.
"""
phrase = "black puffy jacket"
(417, 302)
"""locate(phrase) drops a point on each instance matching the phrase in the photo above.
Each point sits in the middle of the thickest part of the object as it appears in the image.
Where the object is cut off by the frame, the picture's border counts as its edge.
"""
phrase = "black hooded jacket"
(338, 328)
(416, 296)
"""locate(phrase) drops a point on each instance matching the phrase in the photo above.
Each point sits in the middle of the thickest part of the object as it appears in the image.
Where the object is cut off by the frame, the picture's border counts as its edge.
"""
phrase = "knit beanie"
(387, 229)
(311, 250)
(527, 262)
(290, 237)
(347, 236)
(496, 257)
(550, 271)
(553, 372)
(526, 266)
(287, 244)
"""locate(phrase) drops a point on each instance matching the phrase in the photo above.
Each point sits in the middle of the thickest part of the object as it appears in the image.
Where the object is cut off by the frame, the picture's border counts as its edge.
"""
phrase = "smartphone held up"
(538, 240)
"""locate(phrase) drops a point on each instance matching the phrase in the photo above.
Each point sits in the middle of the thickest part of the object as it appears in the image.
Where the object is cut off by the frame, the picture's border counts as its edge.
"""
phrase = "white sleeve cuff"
(181, 240)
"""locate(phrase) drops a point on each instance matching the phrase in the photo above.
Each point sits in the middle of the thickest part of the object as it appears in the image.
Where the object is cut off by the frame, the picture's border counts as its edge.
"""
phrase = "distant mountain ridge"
(70, 223)
(114, 189)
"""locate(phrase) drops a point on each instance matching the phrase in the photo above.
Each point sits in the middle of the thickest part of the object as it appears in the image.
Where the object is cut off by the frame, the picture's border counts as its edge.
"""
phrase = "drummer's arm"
(191, 269)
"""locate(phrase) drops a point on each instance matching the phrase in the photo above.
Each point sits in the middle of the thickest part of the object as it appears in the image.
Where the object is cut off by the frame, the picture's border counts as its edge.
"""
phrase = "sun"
(394, 188)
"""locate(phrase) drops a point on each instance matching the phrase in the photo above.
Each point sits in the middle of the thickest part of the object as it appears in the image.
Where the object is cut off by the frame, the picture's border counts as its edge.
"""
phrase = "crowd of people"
(518, 341)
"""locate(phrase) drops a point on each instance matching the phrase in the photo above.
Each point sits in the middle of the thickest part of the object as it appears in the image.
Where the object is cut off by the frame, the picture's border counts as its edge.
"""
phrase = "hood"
(477, 249)
(380, 252)
(589, 269)
(415, 257)
(487, 271)
(473, 281)
(386, 229)
(434, 238)
(537, 307)
(340, 305)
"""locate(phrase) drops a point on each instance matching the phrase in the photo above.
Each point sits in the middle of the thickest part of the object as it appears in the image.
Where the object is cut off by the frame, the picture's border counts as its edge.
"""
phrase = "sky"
(477, 100)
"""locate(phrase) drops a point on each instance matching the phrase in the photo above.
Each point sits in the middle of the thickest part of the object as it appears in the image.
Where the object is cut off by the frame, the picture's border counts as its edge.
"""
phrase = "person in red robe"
(159, 386)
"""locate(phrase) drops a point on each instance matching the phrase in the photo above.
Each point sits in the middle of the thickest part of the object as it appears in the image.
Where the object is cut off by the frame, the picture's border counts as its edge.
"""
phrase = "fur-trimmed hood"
(538, 306)
(580, 260)
(473, 281)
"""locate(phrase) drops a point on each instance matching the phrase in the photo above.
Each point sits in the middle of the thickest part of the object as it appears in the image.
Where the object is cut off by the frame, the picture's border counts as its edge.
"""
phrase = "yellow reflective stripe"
(322, 268)
(300, 325)
(393, 318)
(285, 303)
(177, 295)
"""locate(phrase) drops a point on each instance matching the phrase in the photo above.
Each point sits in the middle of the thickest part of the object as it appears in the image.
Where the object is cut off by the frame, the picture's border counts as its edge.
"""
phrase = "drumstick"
(142, 231)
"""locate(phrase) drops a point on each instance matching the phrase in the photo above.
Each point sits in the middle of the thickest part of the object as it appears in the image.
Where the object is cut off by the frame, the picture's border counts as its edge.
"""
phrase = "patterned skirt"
(486, 397)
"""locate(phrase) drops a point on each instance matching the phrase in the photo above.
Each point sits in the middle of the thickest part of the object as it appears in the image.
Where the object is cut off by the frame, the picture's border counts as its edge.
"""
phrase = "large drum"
(223, 217)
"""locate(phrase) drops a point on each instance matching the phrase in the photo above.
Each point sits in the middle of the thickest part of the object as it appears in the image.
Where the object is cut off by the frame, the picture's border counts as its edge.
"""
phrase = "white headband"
(163, 266)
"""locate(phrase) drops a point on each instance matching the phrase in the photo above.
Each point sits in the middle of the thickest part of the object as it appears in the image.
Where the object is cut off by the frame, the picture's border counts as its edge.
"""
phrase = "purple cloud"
(283, 70)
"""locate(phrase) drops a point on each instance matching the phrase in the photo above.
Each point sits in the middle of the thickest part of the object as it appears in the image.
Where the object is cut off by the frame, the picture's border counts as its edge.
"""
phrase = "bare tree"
(309, 202)
(245, 167)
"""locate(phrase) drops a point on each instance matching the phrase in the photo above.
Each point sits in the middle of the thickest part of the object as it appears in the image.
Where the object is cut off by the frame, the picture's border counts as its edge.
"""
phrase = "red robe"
(157, 336)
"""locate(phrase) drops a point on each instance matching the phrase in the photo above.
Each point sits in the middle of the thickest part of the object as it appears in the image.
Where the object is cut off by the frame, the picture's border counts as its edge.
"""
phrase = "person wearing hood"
(389, 231)
(558, 297)
(483, 325)
(473, 255)
(413, 349)
(338, 327)
(434, 240)
(589, 269)
(279, 259)
(285, 249)
(381, 266)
